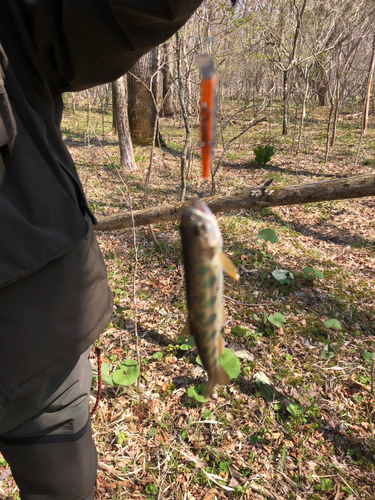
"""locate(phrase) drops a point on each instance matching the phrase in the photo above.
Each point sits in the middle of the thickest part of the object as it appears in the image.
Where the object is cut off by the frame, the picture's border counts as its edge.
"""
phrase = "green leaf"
(267, 391)
(363, 379)
(120, 437)
(196, 392)
(106, 377)
(185, 347)
(239, 330)
(333, 323)
(207, 414)
(151, 489)
(328, 352)
(152, 432)
(283, 276)
(367, 355)
(162, 424)
(127, 373)
(277, 319)
(256, 317)
(268, 235)
(311, 272)
(263, 155)
(230, 363)
(294, 409)
(187, 342)
(3, 462)
(223, 466)
(357, 398)
(157, 355)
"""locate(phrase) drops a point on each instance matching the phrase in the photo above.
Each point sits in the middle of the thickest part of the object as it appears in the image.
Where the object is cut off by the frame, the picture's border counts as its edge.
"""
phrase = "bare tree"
(142, 96)
(122, 124)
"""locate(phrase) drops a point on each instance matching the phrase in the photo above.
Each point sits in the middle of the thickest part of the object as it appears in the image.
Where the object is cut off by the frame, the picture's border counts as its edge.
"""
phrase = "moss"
(295, 381)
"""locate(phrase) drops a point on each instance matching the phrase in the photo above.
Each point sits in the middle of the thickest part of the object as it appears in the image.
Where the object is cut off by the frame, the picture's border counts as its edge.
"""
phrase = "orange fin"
(220, 377)
(229, 268)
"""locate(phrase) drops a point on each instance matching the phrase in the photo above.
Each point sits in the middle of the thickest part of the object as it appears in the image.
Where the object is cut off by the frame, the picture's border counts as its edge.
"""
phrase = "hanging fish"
(204, 263)
(207, 109)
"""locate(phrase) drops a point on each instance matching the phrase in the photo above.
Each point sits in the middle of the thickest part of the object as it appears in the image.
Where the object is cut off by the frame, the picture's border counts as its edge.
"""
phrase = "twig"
(338, 492)
(257, 488)
(348, 486)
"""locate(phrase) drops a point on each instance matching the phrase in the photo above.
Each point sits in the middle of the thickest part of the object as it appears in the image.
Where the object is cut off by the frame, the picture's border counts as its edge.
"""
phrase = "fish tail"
(221, 377)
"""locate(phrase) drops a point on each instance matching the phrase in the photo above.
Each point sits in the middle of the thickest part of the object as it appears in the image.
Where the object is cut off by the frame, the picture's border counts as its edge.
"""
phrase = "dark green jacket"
(54, 299)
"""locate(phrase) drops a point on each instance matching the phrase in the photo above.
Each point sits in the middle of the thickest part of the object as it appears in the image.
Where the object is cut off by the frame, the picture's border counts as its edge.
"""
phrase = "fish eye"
(199, 228)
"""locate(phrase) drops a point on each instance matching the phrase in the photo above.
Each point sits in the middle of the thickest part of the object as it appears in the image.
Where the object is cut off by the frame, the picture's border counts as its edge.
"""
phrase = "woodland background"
(297, 421)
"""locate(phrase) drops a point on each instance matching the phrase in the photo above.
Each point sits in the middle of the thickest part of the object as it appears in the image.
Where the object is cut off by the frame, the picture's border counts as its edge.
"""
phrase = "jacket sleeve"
(82, 43)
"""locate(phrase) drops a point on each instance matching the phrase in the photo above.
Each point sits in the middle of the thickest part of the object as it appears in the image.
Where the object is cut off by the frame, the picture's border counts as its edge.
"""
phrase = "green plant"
(283, 276)
(268, 235)
(239, 491)
(151, 489)
(196, 392)
(276, 319)
(367, 355)
(324, 485)
(263, 155)
(207, 414)
(228, 361)
(310, 273)
(186, 342)
(242, 331)
(332, 323)
(120, 437)
(124, 374)
(223, 466)
(328, 352)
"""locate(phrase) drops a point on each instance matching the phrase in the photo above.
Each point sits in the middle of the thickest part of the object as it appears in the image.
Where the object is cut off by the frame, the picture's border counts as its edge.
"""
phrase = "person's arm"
(82, 43)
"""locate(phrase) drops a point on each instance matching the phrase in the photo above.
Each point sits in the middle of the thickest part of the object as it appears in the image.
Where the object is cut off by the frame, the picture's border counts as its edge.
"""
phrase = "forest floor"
(308, 432)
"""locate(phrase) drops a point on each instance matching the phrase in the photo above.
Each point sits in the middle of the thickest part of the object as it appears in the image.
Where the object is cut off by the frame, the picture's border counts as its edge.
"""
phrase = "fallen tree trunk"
(265, 196)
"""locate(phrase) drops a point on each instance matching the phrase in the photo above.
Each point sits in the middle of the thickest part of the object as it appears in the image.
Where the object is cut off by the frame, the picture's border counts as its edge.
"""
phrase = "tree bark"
(368, 89)
(122, 124)
(339, 189)
(285, 103)
(181, 97)
(168, 108)
(142, 98)
(303, 113)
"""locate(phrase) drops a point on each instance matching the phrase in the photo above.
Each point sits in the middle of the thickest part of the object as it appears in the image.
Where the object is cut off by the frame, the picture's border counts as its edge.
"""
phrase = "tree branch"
(264, 196)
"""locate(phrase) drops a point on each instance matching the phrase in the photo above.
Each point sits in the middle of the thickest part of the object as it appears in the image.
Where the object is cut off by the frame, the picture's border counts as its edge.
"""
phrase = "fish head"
(199, 227)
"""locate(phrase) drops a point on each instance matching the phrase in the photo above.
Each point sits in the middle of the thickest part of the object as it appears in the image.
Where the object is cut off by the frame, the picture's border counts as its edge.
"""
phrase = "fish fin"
(221, 377)
(186, 329)
(229, 268)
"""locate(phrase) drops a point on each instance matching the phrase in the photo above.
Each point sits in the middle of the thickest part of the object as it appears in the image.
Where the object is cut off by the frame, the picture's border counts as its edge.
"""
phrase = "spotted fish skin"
(202, 256)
